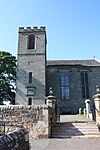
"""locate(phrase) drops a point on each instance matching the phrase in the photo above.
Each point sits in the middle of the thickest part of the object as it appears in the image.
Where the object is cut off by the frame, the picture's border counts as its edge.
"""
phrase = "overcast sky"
(73, 26)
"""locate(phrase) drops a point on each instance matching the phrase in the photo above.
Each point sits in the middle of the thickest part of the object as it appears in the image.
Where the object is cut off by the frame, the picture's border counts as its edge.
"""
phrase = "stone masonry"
(34, 118)
(15, 141)
(34, 61)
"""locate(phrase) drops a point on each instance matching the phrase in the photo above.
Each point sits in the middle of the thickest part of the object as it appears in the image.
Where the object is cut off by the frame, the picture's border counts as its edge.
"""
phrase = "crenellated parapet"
(30, 29)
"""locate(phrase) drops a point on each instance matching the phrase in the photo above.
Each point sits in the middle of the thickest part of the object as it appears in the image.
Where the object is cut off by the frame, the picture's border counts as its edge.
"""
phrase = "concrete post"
(97, 107)
(87, 101)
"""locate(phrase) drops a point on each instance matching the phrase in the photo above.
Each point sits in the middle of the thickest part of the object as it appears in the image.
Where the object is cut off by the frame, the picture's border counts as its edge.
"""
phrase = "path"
(67, 143)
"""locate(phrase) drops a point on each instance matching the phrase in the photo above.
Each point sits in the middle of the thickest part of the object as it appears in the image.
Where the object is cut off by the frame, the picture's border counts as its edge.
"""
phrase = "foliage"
(7, 77)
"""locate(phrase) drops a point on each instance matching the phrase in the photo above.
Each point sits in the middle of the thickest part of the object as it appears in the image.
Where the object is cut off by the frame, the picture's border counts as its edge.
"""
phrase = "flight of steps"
(76, 129)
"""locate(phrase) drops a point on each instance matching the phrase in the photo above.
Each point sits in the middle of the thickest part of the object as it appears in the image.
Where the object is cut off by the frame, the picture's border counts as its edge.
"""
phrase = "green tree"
(7, 77)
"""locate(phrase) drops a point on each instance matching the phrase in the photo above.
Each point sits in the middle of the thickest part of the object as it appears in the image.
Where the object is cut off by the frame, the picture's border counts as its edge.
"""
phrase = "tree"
(7, 77)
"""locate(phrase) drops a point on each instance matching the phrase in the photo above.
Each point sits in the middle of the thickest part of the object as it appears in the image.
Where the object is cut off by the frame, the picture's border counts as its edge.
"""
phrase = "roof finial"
(97, 89)
(93, 56)
(50, 91)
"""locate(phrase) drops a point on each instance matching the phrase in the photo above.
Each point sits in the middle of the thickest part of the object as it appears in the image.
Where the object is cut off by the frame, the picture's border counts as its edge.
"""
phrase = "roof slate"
(89, 62)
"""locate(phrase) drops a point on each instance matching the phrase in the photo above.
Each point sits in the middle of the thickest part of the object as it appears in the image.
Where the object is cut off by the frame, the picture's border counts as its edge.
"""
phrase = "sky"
(72, 26)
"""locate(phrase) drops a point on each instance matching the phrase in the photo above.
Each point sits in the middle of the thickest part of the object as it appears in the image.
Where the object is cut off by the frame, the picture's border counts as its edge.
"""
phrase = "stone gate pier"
(97, 107)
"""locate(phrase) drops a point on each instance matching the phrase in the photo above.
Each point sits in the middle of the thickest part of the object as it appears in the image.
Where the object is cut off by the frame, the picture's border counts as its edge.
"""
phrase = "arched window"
(31, 42)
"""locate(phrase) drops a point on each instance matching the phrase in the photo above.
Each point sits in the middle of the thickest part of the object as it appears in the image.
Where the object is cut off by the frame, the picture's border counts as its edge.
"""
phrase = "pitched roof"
(89, 62)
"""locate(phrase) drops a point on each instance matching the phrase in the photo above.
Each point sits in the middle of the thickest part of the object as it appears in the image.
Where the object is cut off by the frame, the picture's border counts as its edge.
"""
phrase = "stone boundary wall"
(15, 141)
(33, 118)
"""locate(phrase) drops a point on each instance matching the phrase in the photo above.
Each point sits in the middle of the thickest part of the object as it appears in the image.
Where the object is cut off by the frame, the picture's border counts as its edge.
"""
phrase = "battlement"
(29, 29)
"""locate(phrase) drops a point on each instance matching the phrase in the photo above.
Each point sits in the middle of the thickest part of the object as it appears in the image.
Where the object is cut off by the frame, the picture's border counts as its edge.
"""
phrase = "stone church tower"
(31, 66)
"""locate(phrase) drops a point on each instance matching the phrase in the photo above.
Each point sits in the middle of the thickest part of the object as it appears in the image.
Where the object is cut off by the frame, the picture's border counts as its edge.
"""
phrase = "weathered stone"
(32, 118)
(31, 60)
(97, 107)
(16, 140)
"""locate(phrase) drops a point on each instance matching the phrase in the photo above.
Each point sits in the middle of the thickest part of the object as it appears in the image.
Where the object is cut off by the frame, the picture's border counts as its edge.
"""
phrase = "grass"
(82, 115)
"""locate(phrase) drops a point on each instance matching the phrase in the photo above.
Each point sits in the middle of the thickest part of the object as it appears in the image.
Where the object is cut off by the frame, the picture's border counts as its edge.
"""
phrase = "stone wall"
(15, 141)
(33, 118)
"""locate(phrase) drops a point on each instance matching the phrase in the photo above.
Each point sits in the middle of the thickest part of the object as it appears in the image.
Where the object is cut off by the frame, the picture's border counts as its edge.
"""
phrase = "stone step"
(76, 133)
(65, 130)
(75, 124)
(75, 130)
(71, 123)
(81, 136)
(75, 127)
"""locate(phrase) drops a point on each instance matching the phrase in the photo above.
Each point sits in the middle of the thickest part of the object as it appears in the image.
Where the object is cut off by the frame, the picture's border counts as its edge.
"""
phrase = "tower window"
(29, 101)
(31, 42)
(85, 85)
(31, 91)
(30, 77)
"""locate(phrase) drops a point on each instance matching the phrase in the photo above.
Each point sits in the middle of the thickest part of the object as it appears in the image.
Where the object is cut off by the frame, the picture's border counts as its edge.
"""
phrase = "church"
(72, 81)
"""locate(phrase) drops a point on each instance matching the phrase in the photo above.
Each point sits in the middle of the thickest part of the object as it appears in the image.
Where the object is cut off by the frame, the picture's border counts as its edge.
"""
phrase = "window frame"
(64, 86)
(85, 85)
(31, 43)
(31, 91)
(30, 77)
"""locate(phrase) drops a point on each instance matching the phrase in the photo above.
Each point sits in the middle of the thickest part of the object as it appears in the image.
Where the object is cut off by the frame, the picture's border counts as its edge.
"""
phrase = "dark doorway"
(29, 101)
